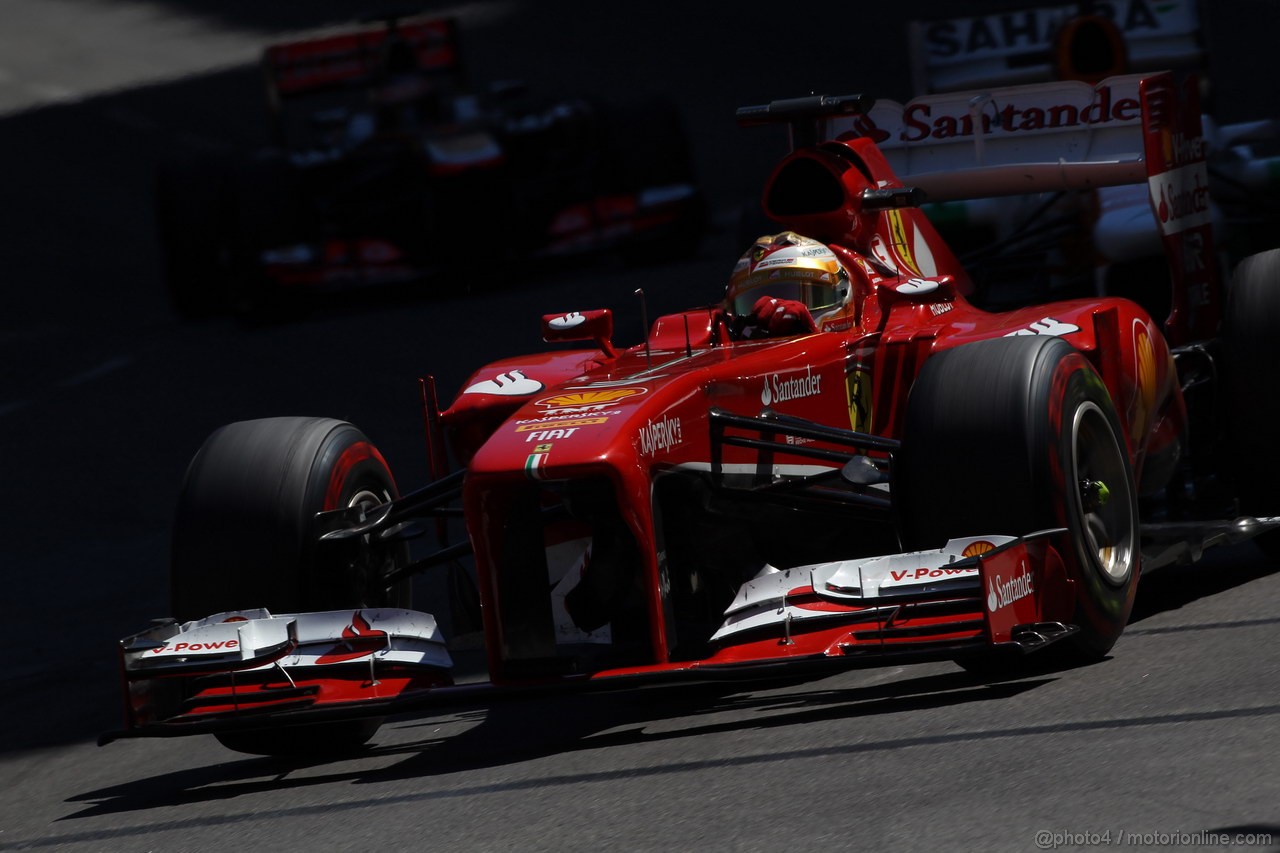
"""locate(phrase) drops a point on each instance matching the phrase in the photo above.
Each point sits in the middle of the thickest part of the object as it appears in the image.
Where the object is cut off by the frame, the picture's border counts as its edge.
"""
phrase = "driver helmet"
(789, 266)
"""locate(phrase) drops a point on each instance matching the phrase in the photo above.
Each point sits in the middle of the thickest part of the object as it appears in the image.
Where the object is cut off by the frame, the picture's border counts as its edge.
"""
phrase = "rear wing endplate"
(1068, 135)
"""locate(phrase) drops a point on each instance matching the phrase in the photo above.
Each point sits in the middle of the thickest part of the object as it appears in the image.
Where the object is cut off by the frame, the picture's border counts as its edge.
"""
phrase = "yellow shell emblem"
(589, 398)
(1146, 368)
(857, 388)
(973, 549)
(1145, 356)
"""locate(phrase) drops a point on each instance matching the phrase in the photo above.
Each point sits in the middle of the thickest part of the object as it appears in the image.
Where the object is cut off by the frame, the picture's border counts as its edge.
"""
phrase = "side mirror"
(861, 471)
(581, 326)
(893, 198)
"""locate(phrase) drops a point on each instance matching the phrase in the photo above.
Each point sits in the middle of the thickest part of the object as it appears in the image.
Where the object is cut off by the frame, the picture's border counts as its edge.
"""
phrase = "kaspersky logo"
(1001, 593)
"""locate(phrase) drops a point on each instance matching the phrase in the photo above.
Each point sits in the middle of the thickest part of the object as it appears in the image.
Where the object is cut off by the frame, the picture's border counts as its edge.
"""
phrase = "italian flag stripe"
(533, 465)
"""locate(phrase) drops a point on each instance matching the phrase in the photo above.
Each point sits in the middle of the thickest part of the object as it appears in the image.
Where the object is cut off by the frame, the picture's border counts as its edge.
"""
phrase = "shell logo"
(1145, 356)
(1146, 367)
(973, 549)
(857, 388)
(575, 399)
(898, 235)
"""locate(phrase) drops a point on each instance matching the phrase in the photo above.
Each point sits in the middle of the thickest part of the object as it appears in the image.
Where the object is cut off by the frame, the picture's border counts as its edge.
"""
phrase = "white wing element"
(568, 321)
(513, 383)
(1047, 326)
(916, 287)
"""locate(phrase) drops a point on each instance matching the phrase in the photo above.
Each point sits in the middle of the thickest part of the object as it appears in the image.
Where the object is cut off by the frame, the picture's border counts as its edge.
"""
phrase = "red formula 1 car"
(383, 152)
(844, 464)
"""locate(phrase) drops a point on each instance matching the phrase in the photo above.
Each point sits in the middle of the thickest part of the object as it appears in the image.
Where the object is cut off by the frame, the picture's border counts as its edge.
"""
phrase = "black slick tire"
(1010, 436)
(245, 537)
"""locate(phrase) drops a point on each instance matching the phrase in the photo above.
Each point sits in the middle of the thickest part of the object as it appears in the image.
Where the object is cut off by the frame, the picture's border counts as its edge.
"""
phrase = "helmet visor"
(801, 285)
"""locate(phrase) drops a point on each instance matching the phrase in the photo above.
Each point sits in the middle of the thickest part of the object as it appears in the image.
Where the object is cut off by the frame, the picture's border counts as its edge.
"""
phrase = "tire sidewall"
(991, 422)
(1102, 606)
(245, 531)
(346, 465)
(1251, 356)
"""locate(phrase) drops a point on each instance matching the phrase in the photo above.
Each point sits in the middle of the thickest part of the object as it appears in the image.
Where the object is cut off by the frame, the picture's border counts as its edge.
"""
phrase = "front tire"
(245, 536)
(1014, 435)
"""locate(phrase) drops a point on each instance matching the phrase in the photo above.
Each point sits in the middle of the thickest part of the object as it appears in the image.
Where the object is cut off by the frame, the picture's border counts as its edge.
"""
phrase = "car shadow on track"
(517, 730)
(601, 721)
(1175, 587)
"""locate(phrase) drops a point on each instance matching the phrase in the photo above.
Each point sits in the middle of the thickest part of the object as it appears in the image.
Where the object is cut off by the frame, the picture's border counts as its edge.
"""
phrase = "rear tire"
(1251, 351)
(245, 536)
(1003, 437)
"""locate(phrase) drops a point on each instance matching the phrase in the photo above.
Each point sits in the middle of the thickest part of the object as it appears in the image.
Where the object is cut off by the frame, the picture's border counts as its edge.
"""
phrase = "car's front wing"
(235, 670)
(253, 669)
(970, 595)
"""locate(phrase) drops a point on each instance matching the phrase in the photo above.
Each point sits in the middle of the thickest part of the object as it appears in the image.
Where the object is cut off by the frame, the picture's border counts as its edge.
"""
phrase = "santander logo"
(920, 121)
(359, 639)
(780, 390)
(1001, 593)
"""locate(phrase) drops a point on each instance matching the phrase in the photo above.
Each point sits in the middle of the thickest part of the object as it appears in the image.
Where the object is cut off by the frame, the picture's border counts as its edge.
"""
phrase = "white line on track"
(109, 366)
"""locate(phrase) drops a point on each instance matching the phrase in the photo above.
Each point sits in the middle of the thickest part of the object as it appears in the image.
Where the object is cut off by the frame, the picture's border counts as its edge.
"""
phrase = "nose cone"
(565, 429)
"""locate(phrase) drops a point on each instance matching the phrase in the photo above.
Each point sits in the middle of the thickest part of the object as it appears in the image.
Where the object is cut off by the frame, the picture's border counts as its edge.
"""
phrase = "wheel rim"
(1102, 497)
(377, 559)
(368, 499)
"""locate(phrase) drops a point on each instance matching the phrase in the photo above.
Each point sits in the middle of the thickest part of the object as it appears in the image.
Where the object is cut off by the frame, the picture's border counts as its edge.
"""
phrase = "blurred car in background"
(386, 166)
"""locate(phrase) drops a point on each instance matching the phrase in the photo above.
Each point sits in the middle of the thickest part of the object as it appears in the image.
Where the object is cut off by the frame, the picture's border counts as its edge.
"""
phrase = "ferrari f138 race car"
(845, 463)
(382, 153)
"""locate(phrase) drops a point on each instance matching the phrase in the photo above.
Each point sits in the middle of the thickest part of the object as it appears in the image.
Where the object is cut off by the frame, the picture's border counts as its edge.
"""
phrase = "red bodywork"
(629, 420)
(571, 457)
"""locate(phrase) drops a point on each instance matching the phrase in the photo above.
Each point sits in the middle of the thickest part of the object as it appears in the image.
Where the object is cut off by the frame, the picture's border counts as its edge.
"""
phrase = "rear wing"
(1021, 139)
(1068, 135)
(1024, 46)
(356, 58)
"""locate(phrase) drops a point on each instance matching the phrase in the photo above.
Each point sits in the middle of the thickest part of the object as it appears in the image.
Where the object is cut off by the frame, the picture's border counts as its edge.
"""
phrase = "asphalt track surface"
(104, 396)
